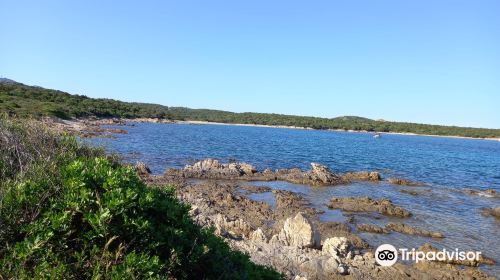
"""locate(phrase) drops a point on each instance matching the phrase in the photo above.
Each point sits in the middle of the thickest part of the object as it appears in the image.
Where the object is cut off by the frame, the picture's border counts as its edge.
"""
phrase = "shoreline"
(91, 124)
(337, 130)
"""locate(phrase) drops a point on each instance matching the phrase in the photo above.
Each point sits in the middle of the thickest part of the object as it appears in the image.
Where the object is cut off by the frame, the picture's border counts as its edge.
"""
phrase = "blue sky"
(420, 61)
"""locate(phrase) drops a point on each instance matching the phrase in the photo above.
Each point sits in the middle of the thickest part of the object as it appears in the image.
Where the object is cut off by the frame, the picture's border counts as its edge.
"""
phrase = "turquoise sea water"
(448, 166)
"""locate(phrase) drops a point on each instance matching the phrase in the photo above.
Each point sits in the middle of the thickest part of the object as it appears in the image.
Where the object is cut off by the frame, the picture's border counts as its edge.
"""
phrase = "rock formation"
(406, 229)
(299, 232)
(495, 212)
(142, 169)
(403, 182)
(366, 204)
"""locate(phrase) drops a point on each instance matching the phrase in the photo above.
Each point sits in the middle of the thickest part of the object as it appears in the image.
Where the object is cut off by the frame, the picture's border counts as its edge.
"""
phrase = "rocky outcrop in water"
(404, 182)
(486, 193)
(366, 204)
(406, 229)
(362, 176)
(371, 228)
(321, 175)
(494, 212)
(318, 175)
(212, 168)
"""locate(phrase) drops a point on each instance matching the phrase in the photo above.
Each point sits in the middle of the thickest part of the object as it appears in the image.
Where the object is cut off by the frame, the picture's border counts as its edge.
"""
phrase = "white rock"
(337, 246)
(299, 232)
(258, 235)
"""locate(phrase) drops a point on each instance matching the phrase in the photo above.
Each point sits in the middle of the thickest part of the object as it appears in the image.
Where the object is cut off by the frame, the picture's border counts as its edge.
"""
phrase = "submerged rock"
(406, 229)
(404, 182)
(485, 193)
(371, 228)
(366, 204)
(495, 212)
(410, 192)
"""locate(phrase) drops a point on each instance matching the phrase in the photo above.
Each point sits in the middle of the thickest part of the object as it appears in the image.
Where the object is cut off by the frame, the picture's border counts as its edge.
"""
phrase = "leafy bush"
(89, 217)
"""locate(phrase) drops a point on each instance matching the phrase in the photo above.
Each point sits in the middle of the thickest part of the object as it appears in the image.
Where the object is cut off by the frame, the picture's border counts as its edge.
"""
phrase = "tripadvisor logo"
(387, 255)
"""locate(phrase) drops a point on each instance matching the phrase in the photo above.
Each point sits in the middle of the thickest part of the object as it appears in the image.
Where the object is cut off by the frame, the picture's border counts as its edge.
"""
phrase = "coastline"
(93, 125)
(337, 130)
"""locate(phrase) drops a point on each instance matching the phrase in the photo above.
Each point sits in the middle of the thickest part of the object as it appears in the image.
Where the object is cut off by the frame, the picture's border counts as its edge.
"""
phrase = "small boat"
(377, 135)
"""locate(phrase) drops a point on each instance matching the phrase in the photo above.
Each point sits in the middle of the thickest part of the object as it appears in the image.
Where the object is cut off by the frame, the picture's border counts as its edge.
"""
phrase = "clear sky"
(420, 61)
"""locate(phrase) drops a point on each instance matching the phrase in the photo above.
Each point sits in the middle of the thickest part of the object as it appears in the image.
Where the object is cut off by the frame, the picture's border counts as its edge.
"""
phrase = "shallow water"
(446, 165)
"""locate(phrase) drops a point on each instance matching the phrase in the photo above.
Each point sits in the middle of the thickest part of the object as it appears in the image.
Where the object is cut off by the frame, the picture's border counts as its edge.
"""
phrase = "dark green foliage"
(89, 217)
(21, 100)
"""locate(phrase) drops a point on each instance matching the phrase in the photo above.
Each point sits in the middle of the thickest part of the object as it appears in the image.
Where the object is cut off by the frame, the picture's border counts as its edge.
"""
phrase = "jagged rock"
(403, 228)
(366, 204)
(247, 168)
(299, 232)
(323, 175)
(319, 175)
(212, 168)
(337, 247)
(205, 165)
(258, 235)
(142, 169)
(236, 228)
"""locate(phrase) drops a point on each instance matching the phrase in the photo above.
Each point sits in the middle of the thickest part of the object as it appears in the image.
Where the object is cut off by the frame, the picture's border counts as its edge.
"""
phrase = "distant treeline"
(22, 100)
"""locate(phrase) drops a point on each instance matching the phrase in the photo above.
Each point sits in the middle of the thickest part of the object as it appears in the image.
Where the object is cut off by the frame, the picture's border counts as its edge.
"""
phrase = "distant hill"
(23, 101)
(7, 81)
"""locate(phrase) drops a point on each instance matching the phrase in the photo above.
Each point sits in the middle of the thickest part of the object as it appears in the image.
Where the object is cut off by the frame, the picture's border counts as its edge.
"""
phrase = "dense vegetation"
(21, 100)
(67, 211)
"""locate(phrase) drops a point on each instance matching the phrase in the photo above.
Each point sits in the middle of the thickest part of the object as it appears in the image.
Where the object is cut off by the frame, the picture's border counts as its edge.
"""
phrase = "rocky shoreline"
(289, 235)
